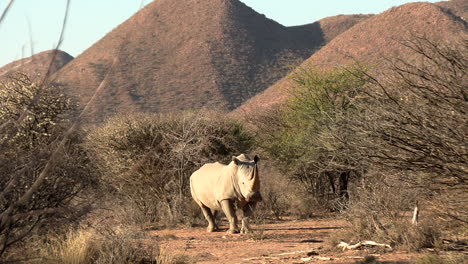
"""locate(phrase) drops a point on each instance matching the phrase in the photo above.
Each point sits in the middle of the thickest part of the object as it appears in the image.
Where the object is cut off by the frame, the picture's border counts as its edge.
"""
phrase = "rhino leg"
(210, 218)
(215, 214)
(228, 209)
(247, 211)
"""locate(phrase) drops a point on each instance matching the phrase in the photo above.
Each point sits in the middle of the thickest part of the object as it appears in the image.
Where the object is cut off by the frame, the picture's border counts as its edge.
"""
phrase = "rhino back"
(204, 184)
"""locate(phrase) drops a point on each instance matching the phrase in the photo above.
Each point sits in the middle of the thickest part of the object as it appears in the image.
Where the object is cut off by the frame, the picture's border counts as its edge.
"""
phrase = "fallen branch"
(316, 258)
(346, 246)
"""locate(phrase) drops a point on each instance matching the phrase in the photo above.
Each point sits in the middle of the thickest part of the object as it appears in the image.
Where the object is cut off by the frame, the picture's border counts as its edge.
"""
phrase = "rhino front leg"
(247, 213)
(228, 209)
(210, 218)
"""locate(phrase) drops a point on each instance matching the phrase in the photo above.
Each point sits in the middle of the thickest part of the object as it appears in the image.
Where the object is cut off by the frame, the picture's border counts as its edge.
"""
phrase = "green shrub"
(308, 138)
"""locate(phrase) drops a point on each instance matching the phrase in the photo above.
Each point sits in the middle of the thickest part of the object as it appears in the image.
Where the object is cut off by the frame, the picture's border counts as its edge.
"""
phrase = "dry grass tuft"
(168, 258)
(91, 246)
(77, 247)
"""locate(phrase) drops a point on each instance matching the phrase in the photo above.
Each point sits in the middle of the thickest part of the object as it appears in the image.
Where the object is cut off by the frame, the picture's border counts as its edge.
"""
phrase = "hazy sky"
(38, 22)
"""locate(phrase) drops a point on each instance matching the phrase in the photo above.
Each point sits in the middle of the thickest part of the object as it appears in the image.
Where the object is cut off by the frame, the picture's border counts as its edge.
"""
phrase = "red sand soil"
(291, 241)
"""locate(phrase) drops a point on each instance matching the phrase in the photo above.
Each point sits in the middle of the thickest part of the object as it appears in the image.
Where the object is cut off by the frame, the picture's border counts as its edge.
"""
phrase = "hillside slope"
(191, 54)
(179, 55)
(36, 66)
(370, 42)
(457, 7)
(335, 25)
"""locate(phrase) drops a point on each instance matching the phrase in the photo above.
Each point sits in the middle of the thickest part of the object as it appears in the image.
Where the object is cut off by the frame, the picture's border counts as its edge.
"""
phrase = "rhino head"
(247, 177)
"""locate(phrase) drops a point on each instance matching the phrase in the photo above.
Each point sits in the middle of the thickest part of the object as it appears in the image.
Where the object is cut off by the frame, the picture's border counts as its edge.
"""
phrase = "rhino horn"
(256, 180)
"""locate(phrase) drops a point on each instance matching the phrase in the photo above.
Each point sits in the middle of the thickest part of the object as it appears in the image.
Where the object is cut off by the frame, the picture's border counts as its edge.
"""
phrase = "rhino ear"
(256, 159)
(236, 161)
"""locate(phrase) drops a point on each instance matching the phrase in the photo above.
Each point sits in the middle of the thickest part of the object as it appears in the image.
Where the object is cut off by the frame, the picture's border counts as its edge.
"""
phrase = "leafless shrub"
(44, 170)
(275, 188)
(148, 159)
(376, 215)
(414, 124)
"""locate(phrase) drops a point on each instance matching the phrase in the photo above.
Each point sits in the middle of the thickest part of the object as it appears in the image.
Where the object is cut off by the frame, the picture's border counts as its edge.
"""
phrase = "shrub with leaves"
(309, 136)
(43, 171)
(148, 158)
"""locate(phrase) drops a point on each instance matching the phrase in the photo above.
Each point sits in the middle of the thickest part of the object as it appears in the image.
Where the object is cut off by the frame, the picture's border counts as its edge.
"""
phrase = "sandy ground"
(289, 241)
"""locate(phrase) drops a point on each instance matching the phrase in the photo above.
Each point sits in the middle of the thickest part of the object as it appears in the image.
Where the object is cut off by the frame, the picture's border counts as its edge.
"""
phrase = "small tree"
(309, 136)
(32, 121)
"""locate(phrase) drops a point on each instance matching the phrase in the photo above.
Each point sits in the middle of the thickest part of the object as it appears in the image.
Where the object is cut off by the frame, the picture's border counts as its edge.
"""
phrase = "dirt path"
(295, 241)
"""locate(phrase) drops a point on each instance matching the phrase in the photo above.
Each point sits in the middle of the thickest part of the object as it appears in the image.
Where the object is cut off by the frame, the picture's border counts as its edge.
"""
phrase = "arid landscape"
(231, 60)
(287, 241)
(360, 124)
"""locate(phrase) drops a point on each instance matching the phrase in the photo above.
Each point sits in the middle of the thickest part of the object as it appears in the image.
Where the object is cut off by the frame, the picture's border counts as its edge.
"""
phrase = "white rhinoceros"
(216, 187)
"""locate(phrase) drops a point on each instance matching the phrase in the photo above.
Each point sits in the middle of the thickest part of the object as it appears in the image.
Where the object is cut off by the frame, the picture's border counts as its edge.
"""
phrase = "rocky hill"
(457, 7)
(37, 66)
(191, 54)
(179, 55)
(370, 42)
(335, 25)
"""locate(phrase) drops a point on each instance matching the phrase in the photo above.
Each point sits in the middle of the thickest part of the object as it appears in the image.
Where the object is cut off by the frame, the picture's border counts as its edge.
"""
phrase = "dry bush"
(380, 210)
(77, 247)
(147, 159)
(274, 188)
(45, 170)
(165, 257)
(99, 246)
(414, 125)
(106, 245)
(281, 197)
